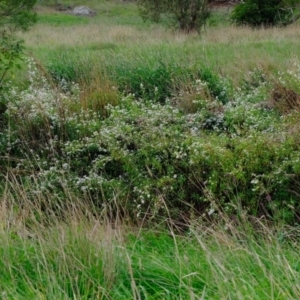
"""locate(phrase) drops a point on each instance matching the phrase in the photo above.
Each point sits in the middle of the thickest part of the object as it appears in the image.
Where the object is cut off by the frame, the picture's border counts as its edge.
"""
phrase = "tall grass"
(83, 256)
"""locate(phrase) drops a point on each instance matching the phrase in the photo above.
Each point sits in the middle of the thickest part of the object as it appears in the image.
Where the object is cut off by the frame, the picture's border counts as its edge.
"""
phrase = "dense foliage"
(210, 148)
(188, 137)
(265, 12)
(14, 15)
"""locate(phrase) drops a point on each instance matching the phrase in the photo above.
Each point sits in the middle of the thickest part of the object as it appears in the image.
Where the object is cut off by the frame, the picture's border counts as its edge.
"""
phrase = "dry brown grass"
(285, 100)
(238, 35)
(28, 213)
(81, 35)
(98, 93)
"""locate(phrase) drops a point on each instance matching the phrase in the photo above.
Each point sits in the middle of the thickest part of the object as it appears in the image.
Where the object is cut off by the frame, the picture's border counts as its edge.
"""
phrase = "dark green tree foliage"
(265, 12)
(187, 15)
(14, 15)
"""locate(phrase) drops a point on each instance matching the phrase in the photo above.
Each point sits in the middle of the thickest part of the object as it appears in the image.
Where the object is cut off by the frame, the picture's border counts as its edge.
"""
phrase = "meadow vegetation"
(138, 162)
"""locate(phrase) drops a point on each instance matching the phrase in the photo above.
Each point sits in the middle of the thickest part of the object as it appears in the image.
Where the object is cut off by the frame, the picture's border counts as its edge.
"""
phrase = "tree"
(187, 15)
(14, 15)
(265, 12)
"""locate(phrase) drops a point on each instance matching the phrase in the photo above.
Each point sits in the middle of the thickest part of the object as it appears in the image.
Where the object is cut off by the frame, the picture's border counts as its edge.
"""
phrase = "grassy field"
(138, 162)
(118, 36)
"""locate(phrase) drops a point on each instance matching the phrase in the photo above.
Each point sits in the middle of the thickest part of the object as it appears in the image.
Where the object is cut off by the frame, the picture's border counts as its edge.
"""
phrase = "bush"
(264, 12)
(156, 161)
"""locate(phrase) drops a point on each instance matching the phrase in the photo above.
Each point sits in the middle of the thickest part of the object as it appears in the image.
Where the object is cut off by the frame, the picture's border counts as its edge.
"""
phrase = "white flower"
(65, 166)
(254, 181)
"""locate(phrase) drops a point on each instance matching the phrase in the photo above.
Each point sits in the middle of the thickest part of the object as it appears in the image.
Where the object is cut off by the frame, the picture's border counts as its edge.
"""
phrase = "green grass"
(82, 259)
(233, 55)
(108, 12)
(59, 19)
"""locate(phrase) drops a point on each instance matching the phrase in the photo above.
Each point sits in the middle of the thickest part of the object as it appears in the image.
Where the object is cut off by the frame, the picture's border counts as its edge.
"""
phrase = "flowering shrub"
(234, 155)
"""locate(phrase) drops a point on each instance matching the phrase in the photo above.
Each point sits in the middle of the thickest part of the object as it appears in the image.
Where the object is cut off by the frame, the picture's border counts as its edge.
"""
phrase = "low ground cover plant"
(266, 13)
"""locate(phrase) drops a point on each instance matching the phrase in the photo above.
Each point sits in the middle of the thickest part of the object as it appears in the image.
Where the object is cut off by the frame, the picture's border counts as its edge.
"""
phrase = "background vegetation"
(138, 162)
(15, 15)
(266, 12)
(187, 16)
